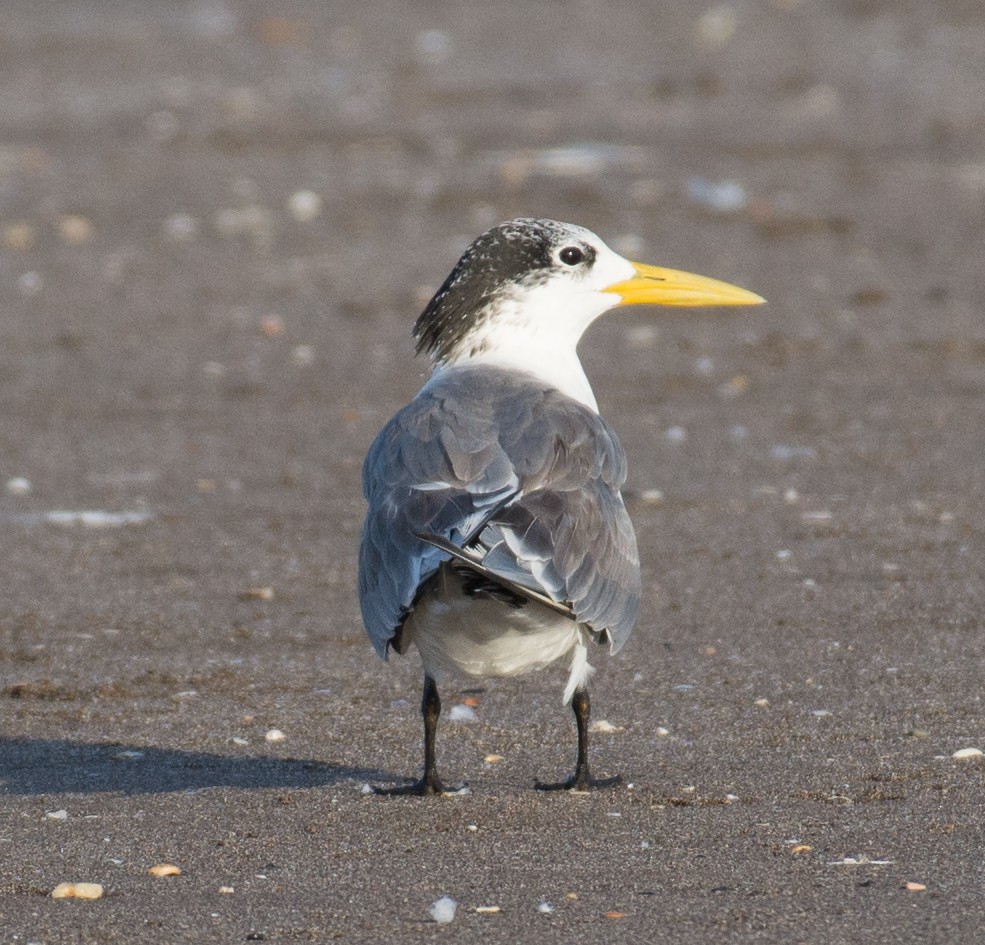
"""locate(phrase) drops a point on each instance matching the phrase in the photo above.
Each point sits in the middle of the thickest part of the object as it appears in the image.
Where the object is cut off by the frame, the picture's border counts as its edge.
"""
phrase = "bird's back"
(524, 475)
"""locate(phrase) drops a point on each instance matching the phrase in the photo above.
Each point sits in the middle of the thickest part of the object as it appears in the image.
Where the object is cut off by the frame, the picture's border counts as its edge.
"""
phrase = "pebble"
(30, 283)
(443, 910)
(726, 196)
(57, 815)
(492, 759)
(303, 355)
(785, 452)
(272, 326)
(546, 908)
(75, 229)
(717, 25)
(606, 727)
(226, 890)
(304, 205)
(817, 517)
(181, 227)
(275, 735)
(675, 434)
(462, 713)
(77, 891)
(164, 869)
(19, 236)
(18, 485)
(967, 753)
(433, 46)
(488, 910)
(97, 518)
(733, 387)
(915, 887)
(257, 593)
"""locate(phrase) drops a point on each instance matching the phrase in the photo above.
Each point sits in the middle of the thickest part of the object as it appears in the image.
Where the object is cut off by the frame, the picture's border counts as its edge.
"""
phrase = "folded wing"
(521, 476)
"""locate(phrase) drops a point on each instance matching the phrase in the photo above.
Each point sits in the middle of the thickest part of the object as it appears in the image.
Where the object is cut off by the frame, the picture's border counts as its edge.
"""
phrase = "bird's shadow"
(34, 766)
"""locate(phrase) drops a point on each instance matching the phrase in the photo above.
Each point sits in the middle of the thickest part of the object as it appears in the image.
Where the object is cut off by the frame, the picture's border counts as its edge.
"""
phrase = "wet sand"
(217, 225)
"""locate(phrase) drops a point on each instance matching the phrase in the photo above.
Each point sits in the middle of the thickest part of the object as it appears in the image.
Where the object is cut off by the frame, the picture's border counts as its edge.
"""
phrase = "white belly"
(480, 636)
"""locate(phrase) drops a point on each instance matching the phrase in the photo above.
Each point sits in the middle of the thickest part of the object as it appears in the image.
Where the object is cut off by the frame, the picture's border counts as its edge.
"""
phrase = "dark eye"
(571, 255)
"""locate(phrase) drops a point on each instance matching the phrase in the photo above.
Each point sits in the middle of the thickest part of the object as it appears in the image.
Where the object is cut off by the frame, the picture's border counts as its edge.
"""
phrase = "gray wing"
(521, 475)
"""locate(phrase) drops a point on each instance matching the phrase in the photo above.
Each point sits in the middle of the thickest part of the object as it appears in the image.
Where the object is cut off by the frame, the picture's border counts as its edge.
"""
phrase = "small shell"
(77, 891)
(164, 869)
(964, 753)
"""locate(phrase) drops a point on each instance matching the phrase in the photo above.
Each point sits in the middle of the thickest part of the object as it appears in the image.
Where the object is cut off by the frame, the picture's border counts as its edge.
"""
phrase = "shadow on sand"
(37, 766)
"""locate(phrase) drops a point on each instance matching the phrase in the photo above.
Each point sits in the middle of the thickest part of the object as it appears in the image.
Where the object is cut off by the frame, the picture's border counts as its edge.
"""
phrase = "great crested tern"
(496, 539)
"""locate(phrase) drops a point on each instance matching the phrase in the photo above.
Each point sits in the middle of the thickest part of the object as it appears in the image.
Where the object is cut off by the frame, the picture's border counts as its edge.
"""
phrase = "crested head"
(521, 279)
(524, 292)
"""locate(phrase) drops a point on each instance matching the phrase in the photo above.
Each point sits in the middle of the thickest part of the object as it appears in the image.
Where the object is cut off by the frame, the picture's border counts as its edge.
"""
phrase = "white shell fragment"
(443, 910)
(77, 891)
(57, 815)
(304, 205)
(18, 485)
(275, 735)
(462, 713)
(967, 753)
(606, 727)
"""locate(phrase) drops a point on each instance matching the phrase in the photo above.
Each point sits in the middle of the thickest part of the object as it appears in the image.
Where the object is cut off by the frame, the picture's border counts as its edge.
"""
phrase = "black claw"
(422, 788)
(578, 784)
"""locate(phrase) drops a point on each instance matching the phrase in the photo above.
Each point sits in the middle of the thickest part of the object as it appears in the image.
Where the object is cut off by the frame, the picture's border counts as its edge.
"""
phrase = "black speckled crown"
(517, 253)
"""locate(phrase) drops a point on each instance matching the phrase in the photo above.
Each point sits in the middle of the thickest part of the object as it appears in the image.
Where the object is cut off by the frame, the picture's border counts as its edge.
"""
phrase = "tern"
(496, 539)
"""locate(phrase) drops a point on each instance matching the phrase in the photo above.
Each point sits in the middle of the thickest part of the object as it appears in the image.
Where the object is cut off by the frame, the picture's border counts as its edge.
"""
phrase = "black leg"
(583, 709)
(430, 710)
(581, 780)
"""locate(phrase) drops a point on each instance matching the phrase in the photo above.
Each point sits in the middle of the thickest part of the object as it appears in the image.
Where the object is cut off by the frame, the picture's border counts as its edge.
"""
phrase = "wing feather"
(528, 476)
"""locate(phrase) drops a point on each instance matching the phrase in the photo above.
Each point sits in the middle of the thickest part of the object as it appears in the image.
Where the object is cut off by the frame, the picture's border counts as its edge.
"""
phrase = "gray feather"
(525, 474)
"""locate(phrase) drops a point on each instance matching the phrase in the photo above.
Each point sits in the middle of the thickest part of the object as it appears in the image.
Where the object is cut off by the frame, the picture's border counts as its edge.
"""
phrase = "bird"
(496, 539)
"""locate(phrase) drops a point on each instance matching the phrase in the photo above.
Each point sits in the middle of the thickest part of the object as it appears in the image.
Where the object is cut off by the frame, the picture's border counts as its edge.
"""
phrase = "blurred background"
(218, 222)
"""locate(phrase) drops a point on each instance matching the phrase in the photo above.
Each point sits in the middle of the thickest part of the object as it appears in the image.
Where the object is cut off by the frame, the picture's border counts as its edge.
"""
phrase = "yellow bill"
(653, 285)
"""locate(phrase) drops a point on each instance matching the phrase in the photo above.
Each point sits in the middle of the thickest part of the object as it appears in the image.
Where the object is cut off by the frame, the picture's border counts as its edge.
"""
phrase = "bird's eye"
(571, 255)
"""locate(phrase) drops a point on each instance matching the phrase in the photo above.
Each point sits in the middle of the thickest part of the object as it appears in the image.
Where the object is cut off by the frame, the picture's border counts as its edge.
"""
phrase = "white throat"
(558, 366)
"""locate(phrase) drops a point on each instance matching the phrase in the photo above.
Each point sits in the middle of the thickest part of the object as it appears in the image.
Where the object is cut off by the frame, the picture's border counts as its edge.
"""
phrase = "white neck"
(535, 328)
(560, 368)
